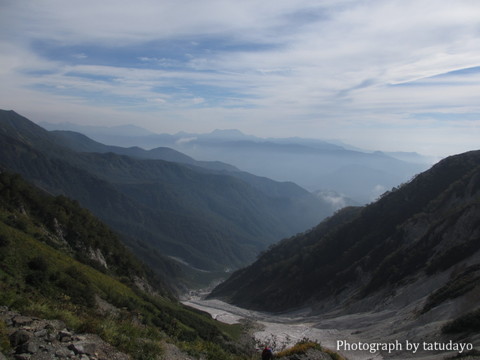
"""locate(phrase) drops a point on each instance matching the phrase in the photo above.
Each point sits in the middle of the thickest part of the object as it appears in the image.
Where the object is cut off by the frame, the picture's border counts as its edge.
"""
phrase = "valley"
(405, 268)
(396, 330)
(396, 278)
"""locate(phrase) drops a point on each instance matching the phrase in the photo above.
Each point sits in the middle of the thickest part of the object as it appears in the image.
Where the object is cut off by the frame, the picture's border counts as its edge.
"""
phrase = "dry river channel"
(282, 330)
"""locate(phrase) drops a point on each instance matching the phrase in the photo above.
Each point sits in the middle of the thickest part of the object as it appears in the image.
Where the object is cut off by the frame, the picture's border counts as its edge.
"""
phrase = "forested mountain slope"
(59, 262)
(210, 220)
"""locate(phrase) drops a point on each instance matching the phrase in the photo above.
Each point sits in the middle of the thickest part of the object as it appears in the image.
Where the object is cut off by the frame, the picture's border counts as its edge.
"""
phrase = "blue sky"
(379, 74)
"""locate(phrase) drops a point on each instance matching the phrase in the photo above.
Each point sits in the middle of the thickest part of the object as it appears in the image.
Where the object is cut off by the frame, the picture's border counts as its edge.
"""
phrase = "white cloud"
(314, 67)
(80, 56)
(198, 100)
(186, 140)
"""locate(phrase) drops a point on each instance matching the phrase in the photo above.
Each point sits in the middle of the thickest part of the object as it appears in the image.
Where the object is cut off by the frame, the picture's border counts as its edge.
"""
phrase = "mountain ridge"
(81, 143)
(371, 230)
(233, 134)
(218, 223)
(311, 163)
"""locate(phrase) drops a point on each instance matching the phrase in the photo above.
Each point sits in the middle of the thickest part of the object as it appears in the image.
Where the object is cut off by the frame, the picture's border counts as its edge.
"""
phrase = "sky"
(393, 75)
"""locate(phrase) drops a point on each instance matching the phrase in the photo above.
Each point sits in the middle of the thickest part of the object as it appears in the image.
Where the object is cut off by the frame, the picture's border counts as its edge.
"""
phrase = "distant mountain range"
(316, 165)
(207, 215)
(412, 258)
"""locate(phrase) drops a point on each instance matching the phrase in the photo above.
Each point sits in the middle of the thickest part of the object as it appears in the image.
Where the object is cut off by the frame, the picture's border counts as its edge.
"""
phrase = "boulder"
(19, 337)
(22, 320)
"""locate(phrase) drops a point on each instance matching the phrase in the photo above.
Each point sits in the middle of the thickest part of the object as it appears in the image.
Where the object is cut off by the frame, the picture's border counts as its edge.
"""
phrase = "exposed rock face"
(97, 256)
(423, 231)
(32, 338)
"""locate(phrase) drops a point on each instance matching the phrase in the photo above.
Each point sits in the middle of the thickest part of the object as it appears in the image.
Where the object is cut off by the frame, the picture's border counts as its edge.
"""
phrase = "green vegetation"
(454, 255)
(303, 346)
(4, 339)
(212, 220)
(299, 348)
(47, 269)
(468, 323)
(466, 355)
(456, 287)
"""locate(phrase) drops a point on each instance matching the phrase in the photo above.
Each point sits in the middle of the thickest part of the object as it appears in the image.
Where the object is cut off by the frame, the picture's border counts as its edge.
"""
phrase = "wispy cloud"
(393, 73)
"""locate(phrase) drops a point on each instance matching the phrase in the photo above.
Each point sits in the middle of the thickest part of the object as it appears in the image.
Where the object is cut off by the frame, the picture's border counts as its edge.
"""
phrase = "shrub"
(469, 323)
(453, 289)
(38, 263)
(4, 240)
(4, 340)
(37, 276)
(77, 286)
(300, 347)
(303, 346)
(36, 279)
(137, 340)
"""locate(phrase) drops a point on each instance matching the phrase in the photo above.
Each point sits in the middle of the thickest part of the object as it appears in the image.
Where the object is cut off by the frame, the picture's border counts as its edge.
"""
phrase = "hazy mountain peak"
(227, 134)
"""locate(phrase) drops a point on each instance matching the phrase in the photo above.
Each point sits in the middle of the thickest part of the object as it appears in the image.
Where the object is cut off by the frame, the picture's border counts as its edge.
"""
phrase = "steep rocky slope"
(423, 227)
(414, 252)
(33, 337)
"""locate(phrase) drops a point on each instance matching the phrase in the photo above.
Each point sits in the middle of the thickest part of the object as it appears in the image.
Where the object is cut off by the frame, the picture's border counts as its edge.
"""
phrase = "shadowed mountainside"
(59, 262)
(419, 244)
(209, 219)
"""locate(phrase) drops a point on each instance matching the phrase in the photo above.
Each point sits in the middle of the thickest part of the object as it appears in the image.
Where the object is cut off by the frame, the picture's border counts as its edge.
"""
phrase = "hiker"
(267, 353)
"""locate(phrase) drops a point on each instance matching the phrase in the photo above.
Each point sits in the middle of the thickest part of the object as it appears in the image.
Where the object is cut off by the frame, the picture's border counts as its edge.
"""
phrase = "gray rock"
(8, 321)
(42, 356)
(38, 339)
(83, 348)
(51, 336)
(23, 356)
(64, 336)
(19, 337)
(22, 320)
(77, 348)
(63, 353)
(30, 347)
(46, 347)
(56, 325)
(41, 333)
(89, 348)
